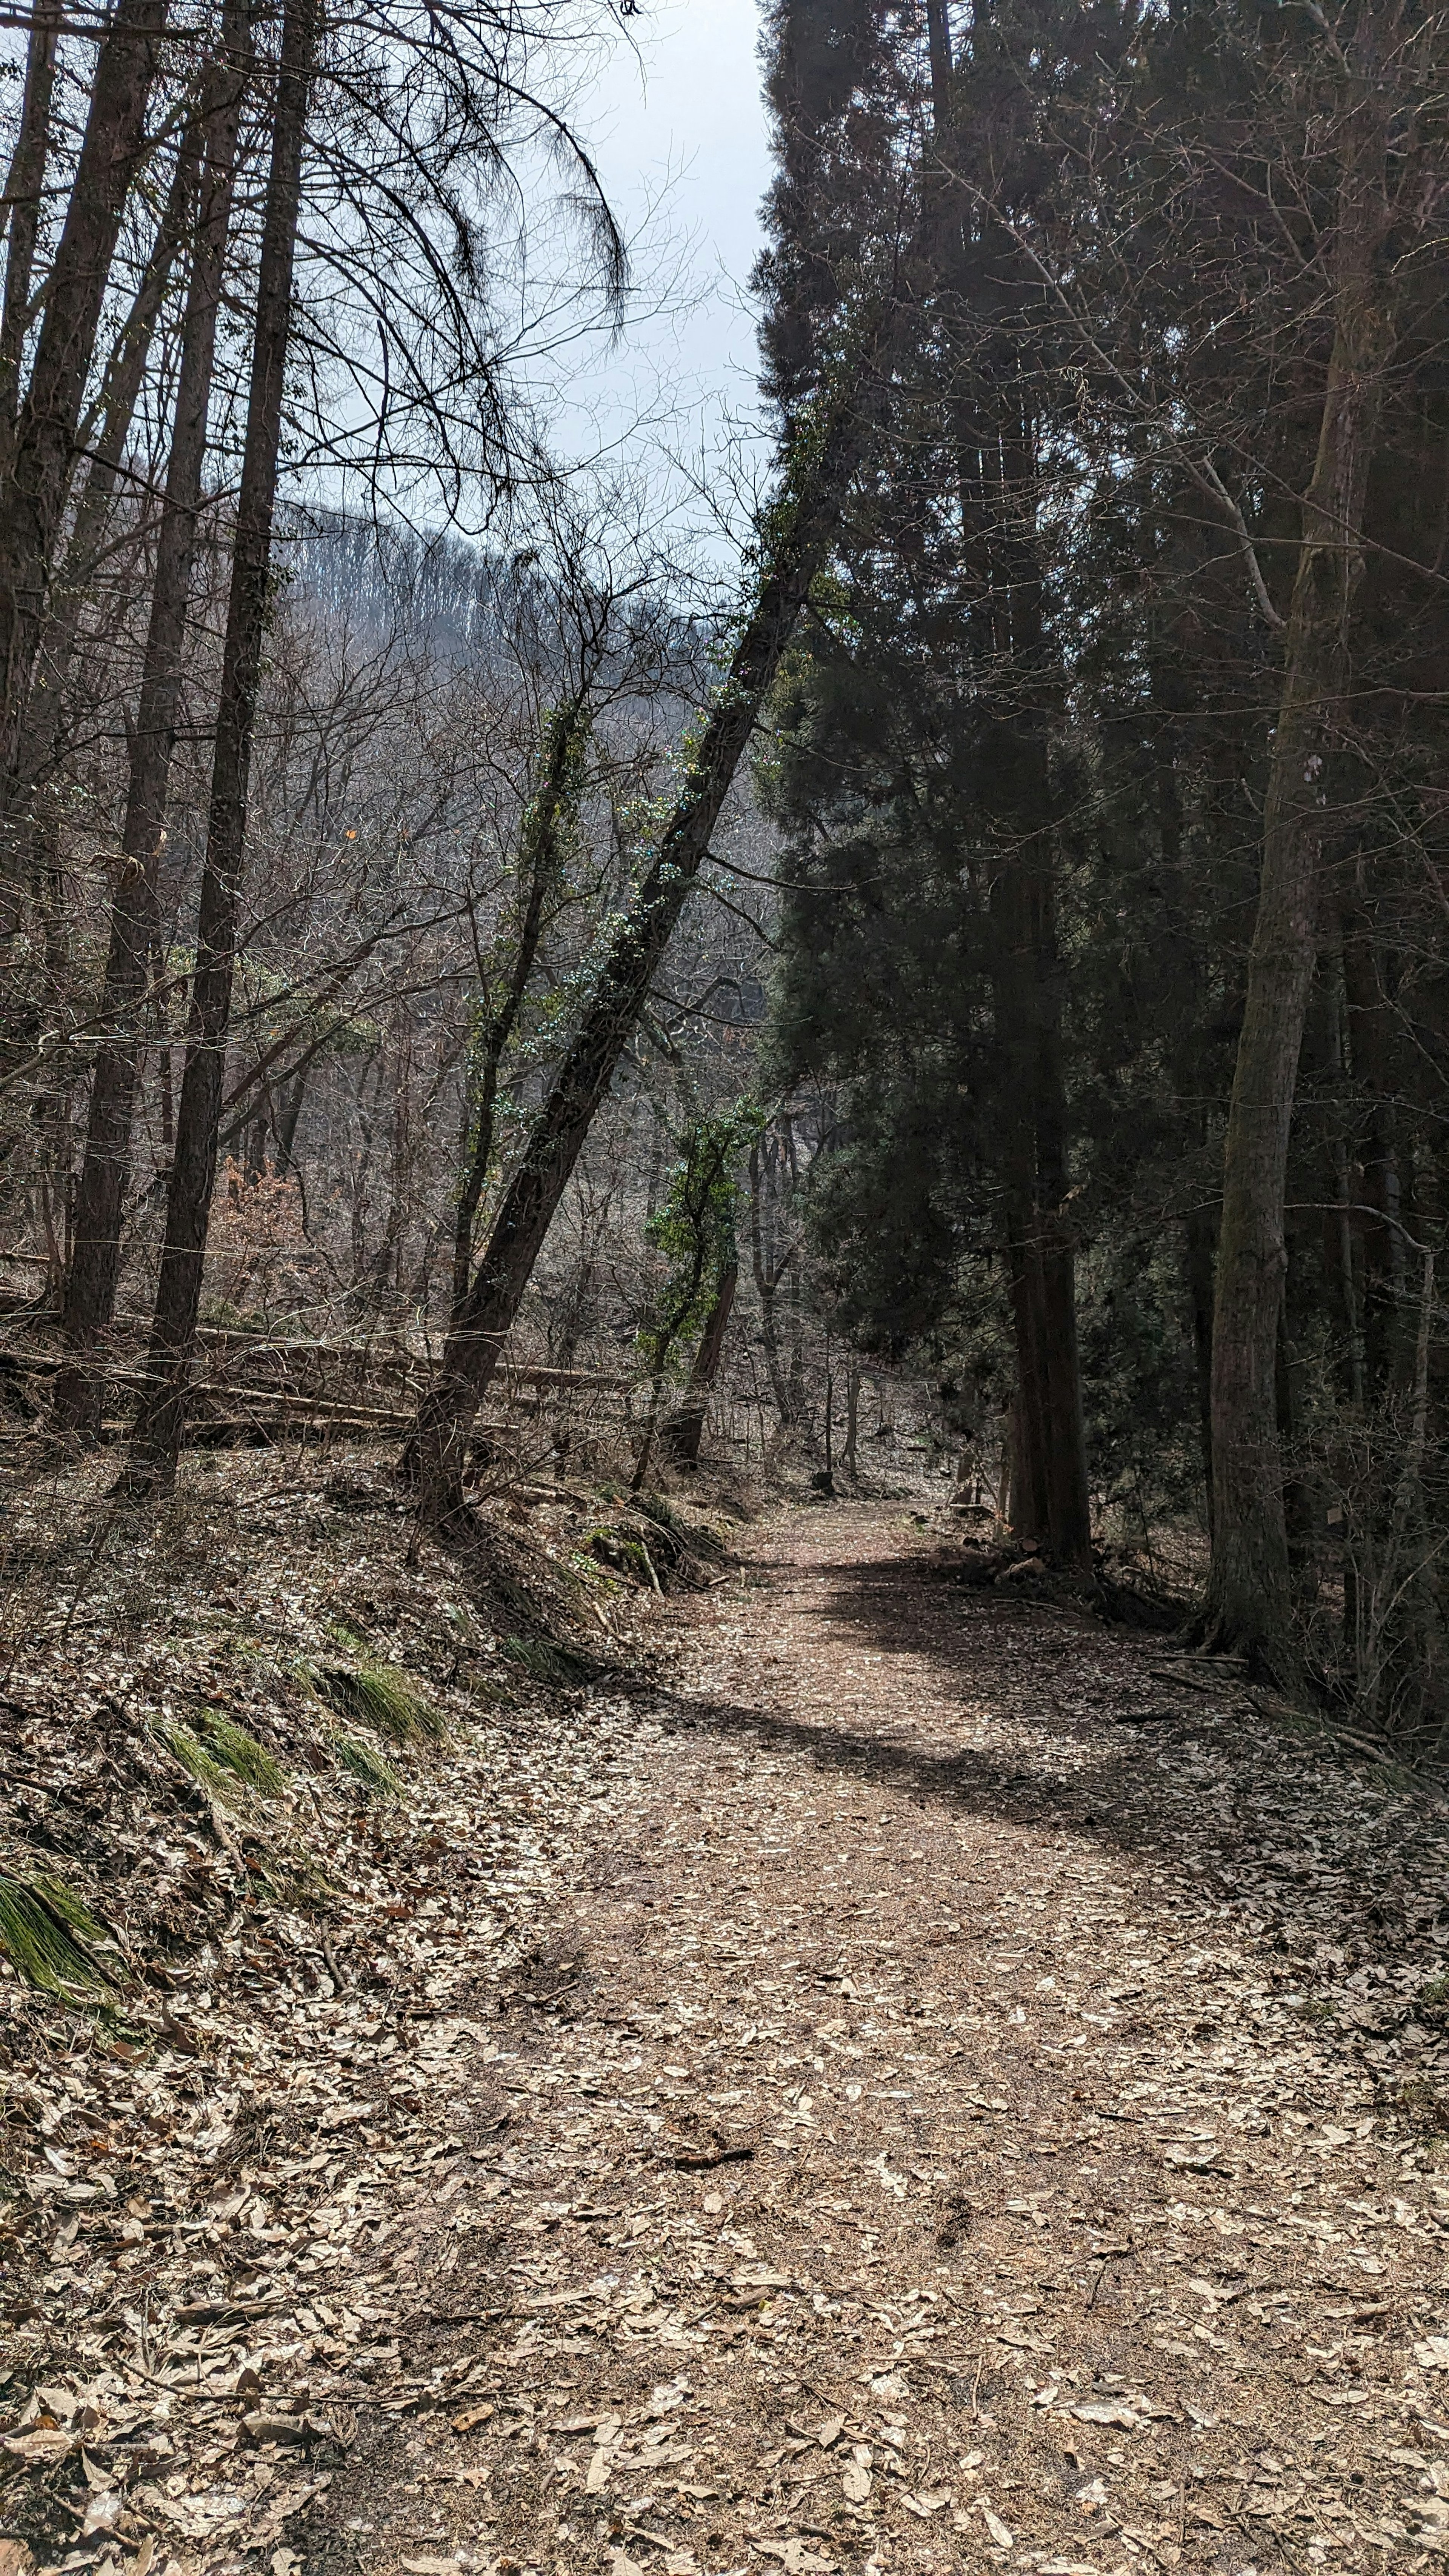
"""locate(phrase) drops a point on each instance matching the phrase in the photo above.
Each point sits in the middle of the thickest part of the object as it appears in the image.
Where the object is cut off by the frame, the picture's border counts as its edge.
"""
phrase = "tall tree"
(157, 1437)
(94, 1267)
(38, 458)
(1249, 1598)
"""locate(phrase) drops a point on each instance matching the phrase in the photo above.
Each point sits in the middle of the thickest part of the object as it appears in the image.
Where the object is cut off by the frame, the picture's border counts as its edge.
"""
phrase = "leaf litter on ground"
(826, 2096)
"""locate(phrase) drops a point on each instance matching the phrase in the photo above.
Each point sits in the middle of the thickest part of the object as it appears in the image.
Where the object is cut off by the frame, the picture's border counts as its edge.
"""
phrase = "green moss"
(379, 1696)
(626, 1555)
(365, 1764)
(45, 1932)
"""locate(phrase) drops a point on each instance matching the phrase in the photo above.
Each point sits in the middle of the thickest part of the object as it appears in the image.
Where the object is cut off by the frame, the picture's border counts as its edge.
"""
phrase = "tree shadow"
(1247, 1838)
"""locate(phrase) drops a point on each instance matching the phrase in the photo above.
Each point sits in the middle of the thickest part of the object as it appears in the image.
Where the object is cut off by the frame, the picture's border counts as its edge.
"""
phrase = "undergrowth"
(51, 1938)
(222, 1757)
(365, 1764)
(378, 1696)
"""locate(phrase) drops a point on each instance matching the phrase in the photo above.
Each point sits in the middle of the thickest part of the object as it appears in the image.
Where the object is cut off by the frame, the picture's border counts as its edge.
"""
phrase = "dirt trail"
(972, 2109)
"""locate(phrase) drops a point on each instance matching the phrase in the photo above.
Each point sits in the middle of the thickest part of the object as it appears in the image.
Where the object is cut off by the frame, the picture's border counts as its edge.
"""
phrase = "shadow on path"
(1291, 1854)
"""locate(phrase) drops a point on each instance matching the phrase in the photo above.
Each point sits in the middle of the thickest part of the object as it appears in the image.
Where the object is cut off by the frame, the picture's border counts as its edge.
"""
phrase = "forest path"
(950, 2122)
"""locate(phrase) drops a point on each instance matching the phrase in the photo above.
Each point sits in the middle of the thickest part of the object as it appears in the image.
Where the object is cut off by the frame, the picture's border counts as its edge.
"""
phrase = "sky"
(676, 121)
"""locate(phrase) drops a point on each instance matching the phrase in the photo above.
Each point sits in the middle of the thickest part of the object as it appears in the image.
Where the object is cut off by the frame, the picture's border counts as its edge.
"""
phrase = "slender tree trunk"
(797, 539)
(684, 1430)
(1200, 1232)
(768, 1274)
(45, 726)
(287, 1128)
(42, 454)
(1049, 1499)
(24, 186)
(157, 1439)
(96, 1237)
(996, 450)
(1248, 1607)
(540, 858)
(852, 1419)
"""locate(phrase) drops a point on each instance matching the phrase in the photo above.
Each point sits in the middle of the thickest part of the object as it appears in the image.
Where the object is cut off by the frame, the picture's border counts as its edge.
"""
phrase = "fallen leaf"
(41, 2447)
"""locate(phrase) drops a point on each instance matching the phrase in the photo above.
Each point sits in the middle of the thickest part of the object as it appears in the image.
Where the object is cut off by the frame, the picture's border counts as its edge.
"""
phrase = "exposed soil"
(966, 2119)
(935, 2083)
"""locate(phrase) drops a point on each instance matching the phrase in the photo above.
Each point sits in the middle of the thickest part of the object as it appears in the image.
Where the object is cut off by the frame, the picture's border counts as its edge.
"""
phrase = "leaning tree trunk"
(96, 1228)
(1248, 1605)
(40, 459)
(798, 534)
(157, 1439)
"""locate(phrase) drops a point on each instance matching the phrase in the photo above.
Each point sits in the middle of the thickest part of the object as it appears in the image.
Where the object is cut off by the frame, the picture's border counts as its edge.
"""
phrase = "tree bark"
(768, 1274)
(96, 1231)
(42, 454)
(996, 449)
(1049, 1498)
(684, 1430)
(24, 186)
(540, 858)
(44, 728)
(1248, 1607)
(157, 1438)
(801, 529)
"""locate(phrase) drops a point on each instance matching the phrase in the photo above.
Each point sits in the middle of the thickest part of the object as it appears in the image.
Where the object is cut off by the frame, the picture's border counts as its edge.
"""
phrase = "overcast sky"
(676, 121)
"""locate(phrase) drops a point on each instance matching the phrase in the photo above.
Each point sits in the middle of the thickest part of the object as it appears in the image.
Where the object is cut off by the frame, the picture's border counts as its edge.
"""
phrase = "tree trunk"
(997, 475)
(1199, 1231)
(24, 186)
(45, 726)
(42, 455)
(768, 1274)
(797, 538)
(684, 1430)
(157, 1438)
(848, 1458)
(1248, 1606)
(540, 857)
(96, 1237)
(1049, 1498)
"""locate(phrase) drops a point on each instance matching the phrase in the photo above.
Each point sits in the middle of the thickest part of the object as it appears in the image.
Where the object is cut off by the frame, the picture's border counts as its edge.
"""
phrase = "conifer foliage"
(1102, 764)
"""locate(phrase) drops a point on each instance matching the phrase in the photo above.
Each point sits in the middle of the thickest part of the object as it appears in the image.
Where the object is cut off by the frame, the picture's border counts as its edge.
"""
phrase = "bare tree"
(39, 457)
(157, 1438)
(96, 1228)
